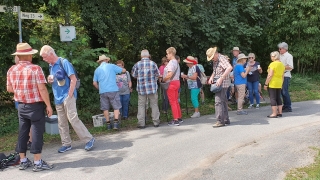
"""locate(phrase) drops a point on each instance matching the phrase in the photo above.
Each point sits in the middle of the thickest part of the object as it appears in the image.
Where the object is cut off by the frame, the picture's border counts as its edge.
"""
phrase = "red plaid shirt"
(24, 79)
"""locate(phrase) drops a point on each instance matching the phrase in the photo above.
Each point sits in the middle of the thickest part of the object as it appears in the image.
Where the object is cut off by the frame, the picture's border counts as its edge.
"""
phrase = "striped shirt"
(147, 73)
(24, 79)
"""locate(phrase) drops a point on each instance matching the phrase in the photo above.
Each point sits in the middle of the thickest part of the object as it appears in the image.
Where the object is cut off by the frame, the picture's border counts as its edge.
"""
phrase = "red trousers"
(173, 96)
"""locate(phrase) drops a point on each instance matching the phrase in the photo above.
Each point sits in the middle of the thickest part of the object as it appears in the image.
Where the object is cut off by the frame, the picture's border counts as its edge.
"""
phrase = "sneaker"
(242, 112)
(286, 110)
(257, 106)
(109, 126)
(250, 106)
(64, 149)
(116, 125)
(173, 123)
(227, 122)
(180, 120)
(196, 115)
(25, 165)
(89, 144)
(29, 145)
(218, 124)
(42, 166)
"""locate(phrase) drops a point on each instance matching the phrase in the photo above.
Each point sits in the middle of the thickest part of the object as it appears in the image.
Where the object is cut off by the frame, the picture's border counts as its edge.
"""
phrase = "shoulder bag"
(214, 88)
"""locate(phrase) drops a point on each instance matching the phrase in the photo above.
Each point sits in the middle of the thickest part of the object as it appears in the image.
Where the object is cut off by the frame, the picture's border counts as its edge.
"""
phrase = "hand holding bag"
(214, 88)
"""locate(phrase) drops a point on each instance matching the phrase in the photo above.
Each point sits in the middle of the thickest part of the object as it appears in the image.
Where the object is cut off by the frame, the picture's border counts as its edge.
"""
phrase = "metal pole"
(19, 24)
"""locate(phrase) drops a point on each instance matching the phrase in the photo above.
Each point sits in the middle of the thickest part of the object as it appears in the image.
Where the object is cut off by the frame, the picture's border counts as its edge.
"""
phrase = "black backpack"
(11, 160)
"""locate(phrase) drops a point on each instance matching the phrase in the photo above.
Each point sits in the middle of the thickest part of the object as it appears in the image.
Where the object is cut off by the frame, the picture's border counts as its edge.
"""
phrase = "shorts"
(110, 98)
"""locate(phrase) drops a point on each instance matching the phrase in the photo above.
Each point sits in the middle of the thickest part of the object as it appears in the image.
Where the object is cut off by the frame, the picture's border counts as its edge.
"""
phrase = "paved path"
(252, 147)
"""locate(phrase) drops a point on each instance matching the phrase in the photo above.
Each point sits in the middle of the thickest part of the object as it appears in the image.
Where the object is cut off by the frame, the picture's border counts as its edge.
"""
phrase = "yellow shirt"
(278, 71)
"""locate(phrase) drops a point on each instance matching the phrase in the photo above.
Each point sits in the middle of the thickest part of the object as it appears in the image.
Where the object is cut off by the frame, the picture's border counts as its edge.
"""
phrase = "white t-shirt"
(287, 59)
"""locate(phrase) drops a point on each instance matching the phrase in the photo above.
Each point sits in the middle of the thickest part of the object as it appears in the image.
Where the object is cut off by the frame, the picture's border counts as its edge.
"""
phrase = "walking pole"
(185, 92)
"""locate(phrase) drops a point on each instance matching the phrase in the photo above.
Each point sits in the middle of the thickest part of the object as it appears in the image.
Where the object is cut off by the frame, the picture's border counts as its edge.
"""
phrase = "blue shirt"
(234, 61)
(238, 79)
(147, 73)
(61, 92)
(105, 75)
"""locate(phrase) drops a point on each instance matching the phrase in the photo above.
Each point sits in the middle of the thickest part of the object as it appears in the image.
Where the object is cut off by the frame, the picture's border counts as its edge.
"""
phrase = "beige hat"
(251, 55)
(103, 57)
(235, 49)
(210, 53)
(24, 49)
(241, 56)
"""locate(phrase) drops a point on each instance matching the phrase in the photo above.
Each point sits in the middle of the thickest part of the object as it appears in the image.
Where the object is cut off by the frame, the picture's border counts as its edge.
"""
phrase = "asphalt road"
(252, 147)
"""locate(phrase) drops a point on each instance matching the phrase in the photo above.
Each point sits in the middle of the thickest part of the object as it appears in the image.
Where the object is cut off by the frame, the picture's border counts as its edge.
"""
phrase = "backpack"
(203, 78)
(75, 73)
(11, 160)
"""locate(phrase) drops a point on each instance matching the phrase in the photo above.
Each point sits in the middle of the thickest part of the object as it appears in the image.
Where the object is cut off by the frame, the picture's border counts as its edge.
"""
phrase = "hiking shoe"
(196, 115)
(116, 125)
(64, 149)
(173, 123)
(180, 120)
(109, 126)
(218, 124)
(25, 165)
(257, 106)
(42, 166)
(89, 144)
(242, 112)
(29, 145)
(250, 106)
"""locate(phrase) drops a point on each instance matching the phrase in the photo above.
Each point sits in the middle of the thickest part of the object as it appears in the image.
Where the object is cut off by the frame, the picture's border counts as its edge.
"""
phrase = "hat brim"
(187, 62)
(235, 50)
(34, 51)
(101, 60)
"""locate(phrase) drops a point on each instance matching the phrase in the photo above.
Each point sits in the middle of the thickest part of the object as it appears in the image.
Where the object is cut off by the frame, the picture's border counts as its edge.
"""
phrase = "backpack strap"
(62, 67)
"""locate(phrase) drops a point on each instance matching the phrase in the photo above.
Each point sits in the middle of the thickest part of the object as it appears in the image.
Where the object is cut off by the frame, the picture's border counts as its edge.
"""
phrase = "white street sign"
(3, 8)
(67, 33)
(26, 15)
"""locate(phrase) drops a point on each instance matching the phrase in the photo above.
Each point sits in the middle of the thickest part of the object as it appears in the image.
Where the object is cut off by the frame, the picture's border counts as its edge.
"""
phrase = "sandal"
(279, 115)
(272, 116)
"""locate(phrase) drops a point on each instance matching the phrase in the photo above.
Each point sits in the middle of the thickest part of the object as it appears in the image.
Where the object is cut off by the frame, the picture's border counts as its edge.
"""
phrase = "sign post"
(67, 33)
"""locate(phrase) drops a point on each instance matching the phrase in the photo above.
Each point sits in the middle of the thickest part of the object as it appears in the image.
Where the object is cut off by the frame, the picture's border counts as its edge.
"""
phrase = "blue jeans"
(124, 99)
(253, 88)
(285, 94)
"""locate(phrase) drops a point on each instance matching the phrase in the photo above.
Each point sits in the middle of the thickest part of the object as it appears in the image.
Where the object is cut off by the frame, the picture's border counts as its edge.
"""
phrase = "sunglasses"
(251, 58)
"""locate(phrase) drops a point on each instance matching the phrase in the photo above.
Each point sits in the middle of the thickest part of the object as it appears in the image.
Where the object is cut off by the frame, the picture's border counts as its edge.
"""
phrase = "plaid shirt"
(24, 79)
(222, 66)
(147, 73)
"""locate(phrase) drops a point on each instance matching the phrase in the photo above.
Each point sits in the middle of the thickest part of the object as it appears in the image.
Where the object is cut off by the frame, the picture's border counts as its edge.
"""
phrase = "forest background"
(122, 28)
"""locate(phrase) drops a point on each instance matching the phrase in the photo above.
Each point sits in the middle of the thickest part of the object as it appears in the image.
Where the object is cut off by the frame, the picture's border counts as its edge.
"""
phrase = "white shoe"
(196, 115)
(251, 105)
(258, 106)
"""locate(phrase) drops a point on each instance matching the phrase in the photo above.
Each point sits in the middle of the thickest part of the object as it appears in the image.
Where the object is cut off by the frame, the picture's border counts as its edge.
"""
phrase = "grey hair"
(46, 49)
(276, 55)
(145, 53)
(283, 45)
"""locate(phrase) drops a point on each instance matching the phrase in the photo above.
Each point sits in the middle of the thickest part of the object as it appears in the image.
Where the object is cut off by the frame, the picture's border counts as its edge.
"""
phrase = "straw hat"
(235, 49)
(103, 57)
(24, 49)
(190, 60)
(210, 53)
(241, 56)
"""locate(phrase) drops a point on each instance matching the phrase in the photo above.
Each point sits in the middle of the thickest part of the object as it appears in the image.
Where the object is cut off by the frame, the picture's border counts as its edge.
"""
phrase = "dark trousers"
(221, 106)
(31, 115)
(274, 94)
(285, 93)
(165, 101)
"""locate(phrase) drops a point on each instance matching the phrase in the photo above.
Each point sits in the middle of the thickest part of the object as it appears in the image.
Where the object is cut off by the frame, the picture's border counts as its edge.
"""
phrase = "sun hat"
(241, 56)
(190, 60)
(24, 49)
(251, 55)
(60, 76)
(103, 57)
(235, 49)
(210, 53)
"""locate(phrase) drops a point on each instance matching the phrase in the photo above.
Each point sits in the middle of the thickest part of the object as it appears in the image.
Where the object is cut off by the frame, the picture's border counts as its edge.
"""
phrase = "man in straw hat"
(28, 83)
(221, 70)
(104, 79)
(235, 51)
(63, 80)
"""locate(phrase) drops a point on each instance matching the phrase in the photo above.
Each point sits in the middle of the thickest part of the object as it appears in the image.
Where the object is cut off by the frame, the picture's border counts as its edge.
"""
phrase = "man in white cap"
(221, 70)
(104, 79)
(28, 83)
(63, 80)
(287, 59)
